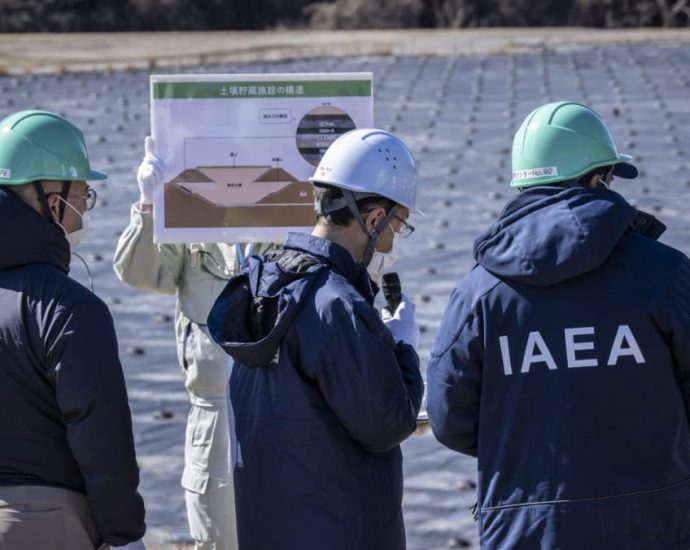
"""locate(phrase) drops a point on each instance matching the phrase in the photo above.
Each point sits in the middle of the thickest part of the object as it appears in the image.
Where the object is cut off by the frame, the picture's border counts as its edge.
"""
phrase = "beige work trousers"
(207, 477)
(36, 517)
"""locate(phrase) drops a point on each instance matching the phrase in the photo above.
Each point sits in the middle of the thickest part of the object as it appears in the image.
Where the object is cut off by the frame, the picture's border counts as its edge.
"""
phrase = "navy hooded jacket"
(64, 416)
(563, 363)
(321, 396)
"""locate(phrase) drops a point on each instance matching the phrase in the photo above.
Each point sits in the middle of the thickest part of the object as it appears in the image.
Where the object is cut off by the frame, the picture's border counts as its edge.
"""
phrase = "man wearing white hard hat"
(322, 389)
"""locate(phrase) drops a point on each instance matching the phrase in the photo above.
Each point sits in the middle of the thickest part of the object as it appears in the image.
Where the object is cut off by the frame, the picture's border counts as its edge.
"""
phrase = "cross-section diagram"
(236, 196)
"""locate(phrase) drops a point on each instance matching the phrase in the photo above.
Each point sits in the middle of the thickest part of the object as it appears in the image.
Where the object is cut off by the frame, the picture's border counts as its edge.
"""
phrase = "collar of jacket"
(541, 196)
(548, 234)
(338, 257)
(28, 237)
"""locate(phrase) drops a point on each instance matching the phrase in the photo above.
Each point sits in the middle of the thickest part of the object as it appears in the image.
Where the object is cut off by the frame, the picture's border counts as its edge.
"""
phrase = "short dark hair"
(327, 194)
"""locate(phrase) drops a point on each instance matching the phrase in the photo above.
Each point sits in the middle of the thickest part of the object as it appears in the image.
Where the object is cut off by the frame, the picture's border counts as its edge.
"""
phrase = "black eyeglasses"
(405, 230)
(90, 197)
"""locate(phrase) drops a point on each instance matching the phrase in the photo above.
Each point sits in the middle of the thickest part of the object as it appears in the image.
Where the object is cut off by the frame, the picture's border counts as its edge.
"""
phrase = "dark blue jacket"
(64, 417)
(563, 363)
(322, 397)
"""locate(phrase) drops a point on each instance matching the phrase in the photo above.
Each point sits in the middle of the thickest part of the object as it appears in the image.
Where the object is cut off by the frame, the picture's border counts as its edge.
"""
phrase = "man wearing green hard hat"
(566, 143)
(563, 359)
(44, 162)
(68, 470)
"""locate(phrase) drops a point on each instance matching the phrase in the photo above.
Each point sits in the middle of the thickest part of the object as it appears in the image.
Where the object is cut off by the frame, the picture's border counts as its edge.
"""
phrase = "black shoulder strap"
(648, 225)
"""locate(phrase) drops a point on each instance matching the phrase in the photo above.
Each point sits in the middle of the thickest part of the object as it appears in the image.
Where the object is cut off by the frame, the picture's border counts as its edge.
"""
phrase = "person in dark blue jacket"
(68, 471)
(322, 390)
(563, 358)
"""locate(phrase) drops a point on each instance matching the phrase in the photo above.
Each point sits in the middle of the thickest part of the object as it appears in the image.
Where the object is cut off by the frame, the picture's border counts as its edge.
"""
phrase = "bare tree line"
(155, 15)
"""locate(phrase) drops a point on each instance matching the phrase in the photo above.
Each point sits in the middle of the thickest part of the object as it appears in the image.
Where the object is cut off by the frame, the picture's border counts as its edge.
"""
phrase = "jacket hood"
(29, 238)
(256, 308)
(547, 235)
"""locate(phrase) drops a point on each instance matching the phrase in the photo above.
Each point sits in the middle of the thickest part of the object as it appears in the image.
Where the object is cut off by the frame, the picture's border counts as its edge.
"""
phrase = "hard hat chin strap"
(341, 202)
(375, 231)
(43, 200)
(41, 194)
(66, 186)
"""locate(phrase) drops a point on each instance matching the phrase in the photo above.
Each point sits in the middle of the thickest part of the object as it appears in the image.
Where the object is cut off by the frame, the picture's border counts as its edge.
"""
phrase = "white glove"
(402, 323)
(150, 173)
(136, 545)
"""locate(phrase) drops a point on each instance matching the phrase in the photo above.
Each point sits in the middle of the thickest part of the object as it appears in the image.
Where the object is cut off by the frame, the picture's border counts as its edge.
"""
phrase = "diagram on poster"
(239, 150)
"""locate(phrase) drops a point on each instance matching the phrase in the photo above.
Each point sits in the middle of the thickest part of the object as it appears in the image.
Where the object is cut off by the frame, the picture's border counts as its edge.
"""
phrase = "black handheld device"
(391, 291)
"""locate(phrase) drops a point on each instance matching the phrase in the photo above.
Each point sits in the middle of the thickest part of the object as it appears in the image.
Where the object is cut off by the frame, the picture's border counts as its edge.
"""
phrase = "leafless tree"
(453, 14)
(364, 14)
(670, 10)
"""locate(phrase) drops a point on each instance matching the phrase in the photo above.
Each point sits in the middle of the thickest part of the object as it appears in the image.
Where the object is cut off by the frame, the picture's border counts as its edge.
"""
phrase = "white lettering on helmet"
(544, 172)
(5, 173)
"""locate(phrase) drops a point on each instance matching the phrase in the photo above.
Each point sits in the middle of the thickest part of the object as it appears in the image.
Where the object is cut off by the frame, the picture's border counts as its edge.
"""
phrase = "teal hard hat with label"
(39, 145)
(563, 141)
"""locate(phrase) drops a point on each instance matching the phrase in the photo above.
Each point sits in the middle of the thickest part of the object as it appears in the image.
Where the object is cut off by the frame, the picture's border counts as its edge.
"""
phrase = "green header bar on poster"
(261, 89)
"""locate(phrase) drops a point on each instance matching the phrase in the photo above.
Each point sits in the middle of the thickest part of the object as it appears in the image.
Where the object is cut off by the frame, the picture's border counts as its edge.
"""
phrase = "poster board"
(239, 149)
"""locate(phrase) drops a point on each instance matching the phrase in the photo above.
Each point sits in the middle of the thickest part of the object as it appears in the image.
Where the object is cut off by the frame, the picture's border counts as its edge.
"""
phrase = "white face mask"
(381, 261)
(75, 237)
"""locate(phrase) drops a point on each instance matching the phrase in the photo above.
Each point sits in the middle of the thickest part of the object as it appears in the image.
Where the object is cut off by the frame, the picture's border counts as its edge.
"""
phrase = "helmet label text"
(543, 172)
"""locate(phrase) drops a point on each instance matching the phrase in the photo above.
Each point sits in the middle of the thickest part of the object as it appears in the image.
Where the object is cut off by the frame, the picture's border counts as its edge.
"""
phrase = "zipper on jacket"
(590, 499)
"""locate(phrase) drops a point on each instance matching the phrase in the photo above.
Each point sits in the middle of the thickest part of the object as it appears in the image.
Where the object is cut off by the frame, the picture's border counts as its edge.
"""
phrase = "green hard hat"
(563, 141)
(38, 145)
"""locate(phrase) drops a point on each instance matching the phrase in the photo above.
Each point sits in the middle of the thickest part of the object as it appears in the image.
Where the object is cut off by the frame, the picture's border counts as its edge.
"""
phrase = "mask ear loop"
(609, 176)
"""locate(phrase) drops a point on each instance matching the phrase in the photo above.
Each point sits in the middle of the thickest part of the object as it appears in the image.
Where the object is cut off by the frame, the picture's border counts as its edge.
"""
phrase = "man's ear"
(374, 217)
(54, 206)
(597, 180)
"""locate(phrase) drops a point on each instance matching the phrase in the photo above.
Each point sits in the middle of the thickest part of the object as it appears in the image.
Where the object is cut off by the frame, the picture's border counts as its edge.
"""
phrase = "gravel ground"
(458, 110)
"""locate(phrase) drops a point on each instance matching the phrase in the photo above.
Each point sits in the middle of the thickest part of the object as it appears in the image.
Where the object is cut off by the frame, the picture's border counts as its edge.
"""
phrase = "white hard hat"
(371, 161)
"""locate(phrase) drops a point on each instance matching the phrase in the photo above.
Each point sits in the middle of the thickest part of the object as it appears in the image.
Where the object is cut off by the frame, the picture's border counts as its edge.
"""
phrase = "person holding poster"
(563, 359)
(195, 273)
(322, 389)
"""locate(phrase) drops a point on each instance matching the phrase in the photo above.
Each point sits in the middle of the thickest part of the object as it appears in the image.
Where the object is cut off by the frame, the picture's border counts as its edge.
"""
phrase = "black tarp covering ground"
(458, 114)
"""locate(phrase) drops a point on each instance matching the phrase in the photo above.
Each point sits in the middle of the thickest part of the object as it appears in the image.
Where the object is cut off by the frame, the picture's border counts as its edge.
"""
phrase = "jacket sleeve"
(141, 263)
(454, 378)
(678, 327)
(83, 366)
(372, 385)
